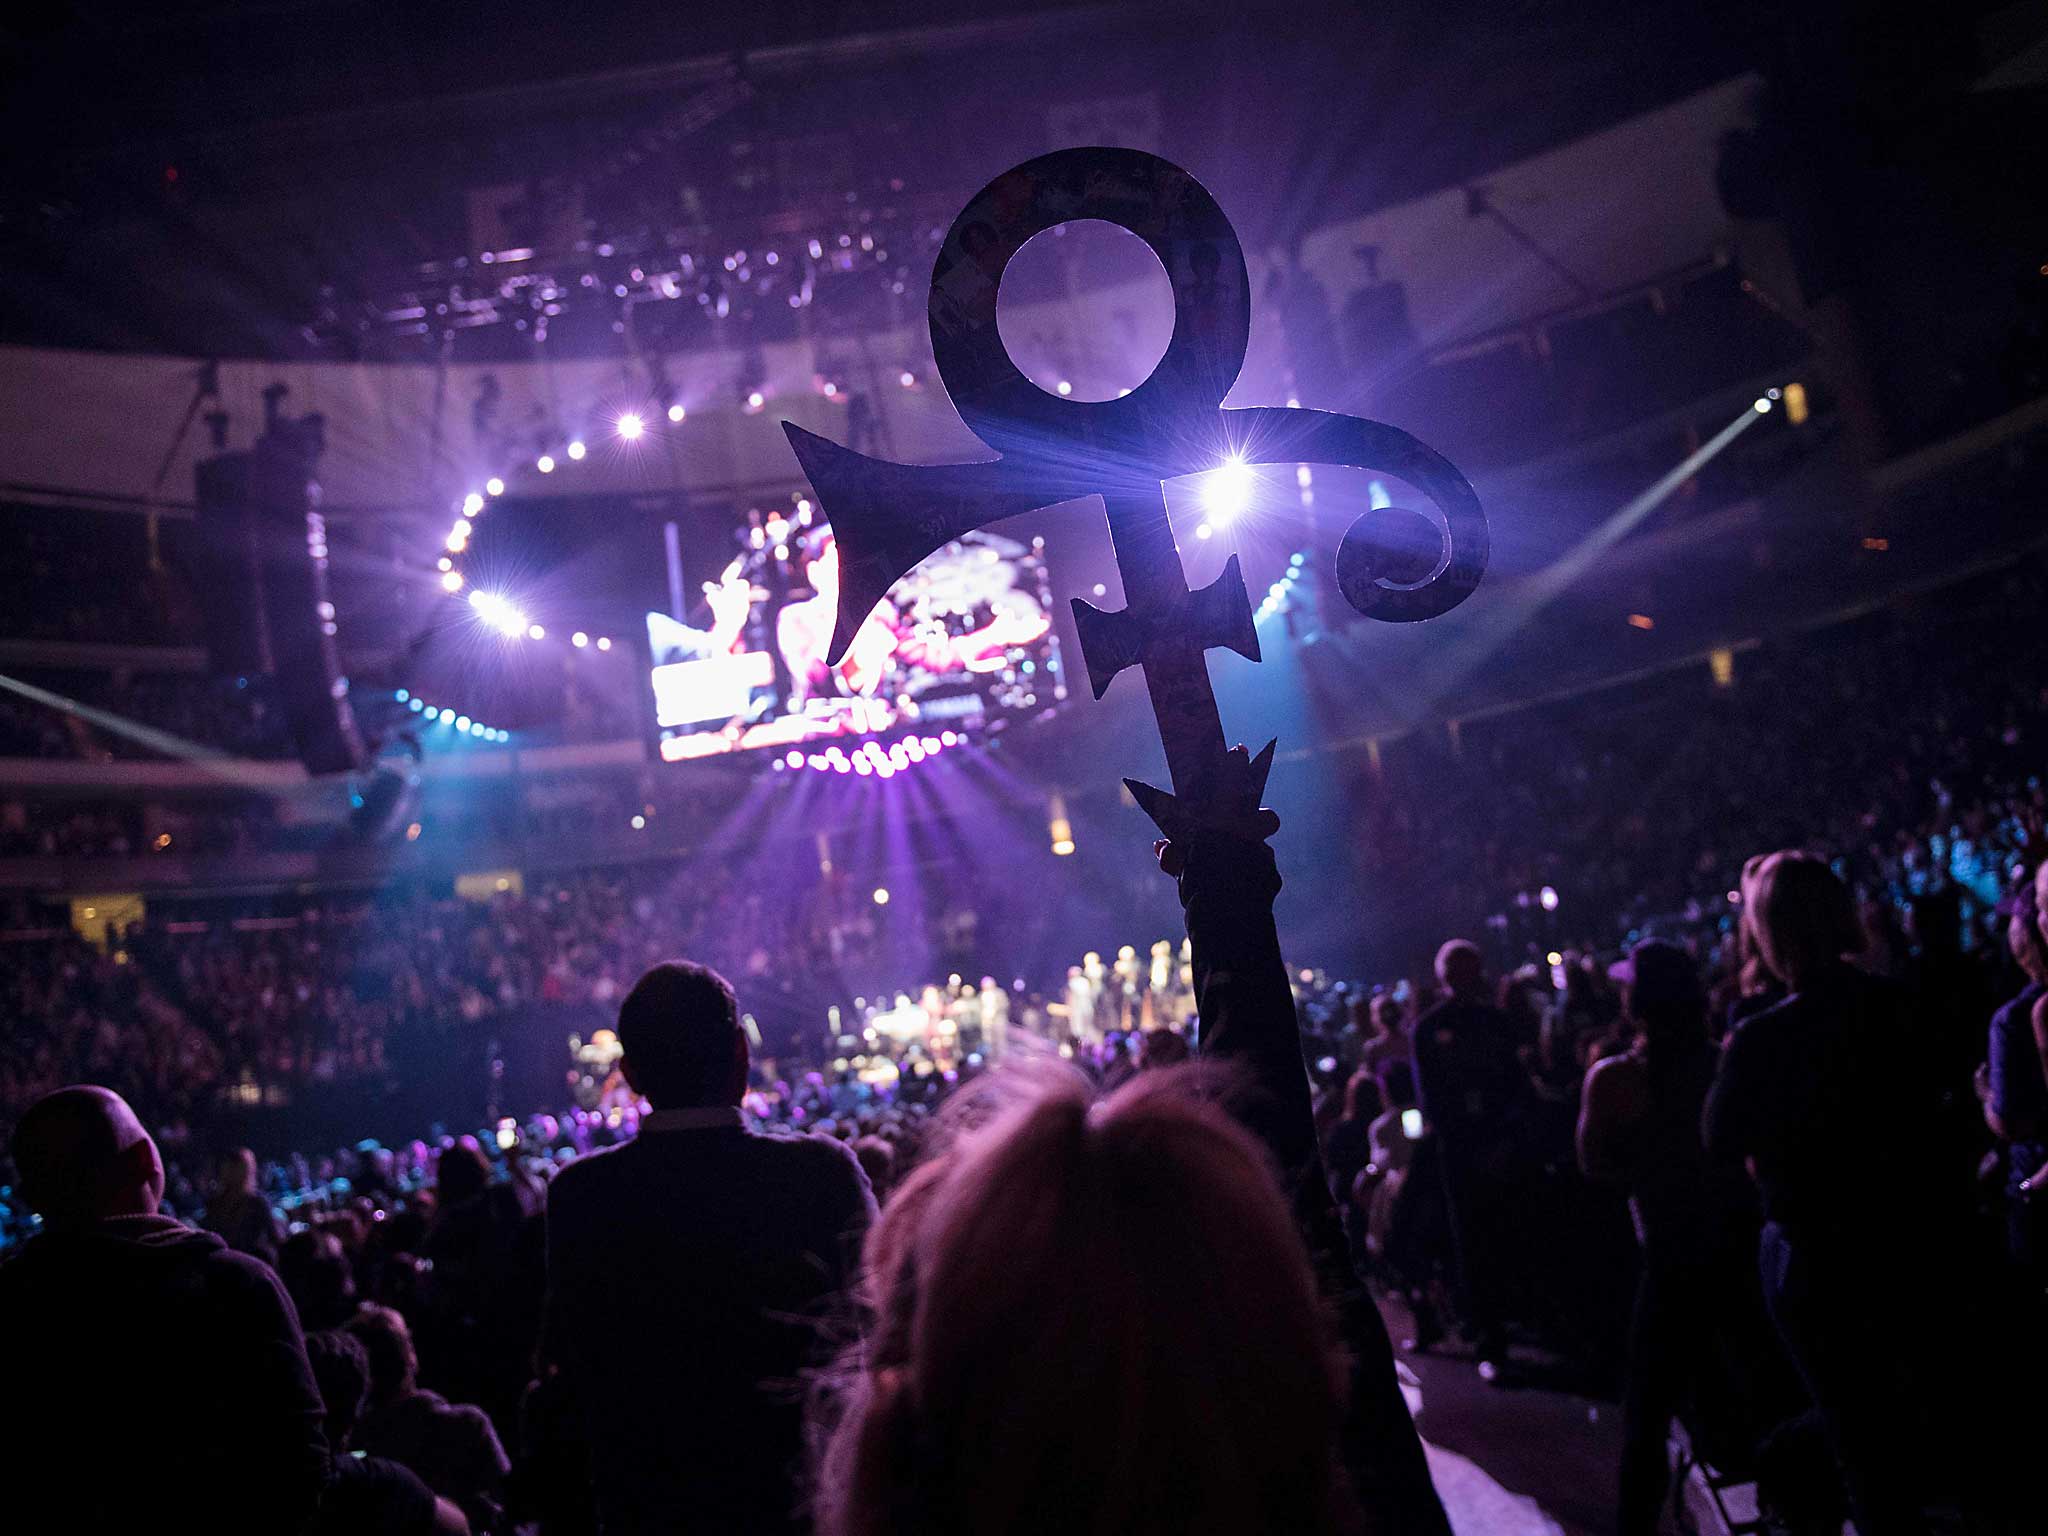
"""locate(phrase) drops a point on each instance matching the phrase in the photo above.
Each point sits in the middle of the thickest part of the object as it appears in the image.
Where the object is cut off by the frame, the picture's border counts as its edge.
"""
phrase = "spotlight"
(545, 463)
(473, 503)
(1066, 387)
(461, 722)
(793, 758)
(948, 739)
(631, 426)
(535, 632)
(499, 613)
(444, 564)
(416, 706)
(907, 379)
(676, 413)
(604, 642)
(881, 895)
(433, 712)
(1547, 898)
(831, 390)
(755, 400)
(494, 486)
(576, 449)
(1203, 531)
(639, 823)
(402, 695)
(1228, 490)
(451, 581)
(579, 639)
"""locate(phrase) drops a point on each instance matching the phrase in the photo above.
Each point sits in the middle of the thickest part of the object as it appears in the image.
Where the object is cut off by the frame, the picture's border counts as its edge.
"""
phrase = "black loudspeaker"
(226, 568)
(263, 538)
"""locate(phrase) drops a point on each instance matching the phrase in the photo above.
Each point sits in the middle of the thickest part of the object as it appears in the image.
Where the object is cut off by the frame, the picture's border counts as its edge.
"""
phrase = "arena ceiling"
(254, 179)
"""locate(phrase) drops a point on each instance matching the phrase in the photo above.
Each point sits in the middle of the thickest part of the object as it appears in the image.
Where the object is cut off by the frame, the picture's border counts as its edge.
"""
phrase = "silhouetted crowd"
(682, 1311)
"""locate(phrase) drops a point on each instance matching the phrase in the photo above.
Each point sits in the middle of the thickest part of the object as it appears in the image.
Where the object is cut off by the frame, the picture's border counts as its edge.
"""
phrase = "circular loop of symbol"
(1159, 203)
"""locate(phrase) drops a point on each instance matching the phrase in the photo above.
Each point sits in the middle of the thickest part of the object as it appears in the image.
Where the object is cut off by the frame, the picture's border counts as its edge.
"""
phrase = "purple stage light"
(793, 758)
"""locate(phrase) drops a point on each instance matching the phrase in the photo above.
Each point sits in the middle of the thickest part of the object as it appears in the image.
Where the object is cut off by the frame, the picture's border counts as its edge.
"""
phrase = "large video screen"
(963, 643)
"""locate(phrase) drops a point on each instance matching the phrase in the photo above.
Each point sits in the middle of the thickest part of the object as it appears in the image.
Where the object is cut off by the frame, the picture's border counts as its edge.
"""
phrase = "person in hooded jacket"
(157, 1379)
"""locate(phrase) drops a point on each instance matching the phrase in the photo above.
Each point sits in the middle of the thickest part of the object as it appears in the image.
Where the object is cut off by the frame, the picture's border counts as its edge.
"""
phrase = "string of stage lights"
(1225, 493)
(502, 612)
(436, 714)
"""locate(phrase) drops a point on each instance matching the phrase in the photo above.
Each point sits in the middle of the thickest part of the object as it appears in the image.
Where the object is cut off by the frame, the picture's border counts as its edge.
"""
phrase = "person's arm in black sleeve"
(1246, 1012)
(1242, 999)
(276, 1404)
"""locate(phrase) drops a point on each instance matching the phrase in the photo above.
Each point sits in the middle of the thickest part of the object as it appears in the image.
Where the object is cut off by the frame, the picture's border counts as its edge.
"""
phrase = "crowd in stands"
(66, 573)
(472, 1335)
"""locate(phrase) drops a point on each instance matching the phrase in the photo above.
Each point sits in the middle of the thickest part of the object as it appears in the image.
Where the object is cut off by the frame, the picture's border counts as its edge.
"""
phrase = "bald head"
(83, 1156)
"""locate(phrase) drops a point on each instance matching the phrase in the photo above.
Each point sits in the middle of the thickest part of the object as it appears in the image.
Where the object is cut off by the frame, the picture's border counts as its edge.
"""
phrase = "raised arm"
(1246, 1008)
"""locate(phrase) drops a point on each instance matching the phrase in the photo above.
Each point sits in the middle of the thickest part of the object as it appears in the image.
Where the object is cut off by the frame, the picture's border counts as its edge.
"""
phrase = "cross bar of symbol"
(887, 517)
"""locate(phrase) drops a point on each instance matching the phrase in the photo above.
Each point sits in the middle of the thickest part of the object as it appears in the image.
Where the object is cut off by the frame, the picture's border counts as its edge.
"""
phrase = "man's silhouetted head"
(83, 1156)
(680, 1027)
(1460, 968)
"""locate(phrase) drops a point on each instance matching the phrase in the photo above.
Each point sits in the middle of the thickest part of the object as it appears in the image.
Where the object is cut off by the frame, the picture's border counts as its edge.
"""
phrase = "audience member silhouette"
(1698, 1312)
(2015, 1089)
(155, 1376)
(1078, 1263)
(1821, 1096)
(1389, 1039)
(452, 1446)
(239, 1211)
(486, 1244)
(316, 1271)
(688, 1271)
(1474, 1092)
(366, 1493)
